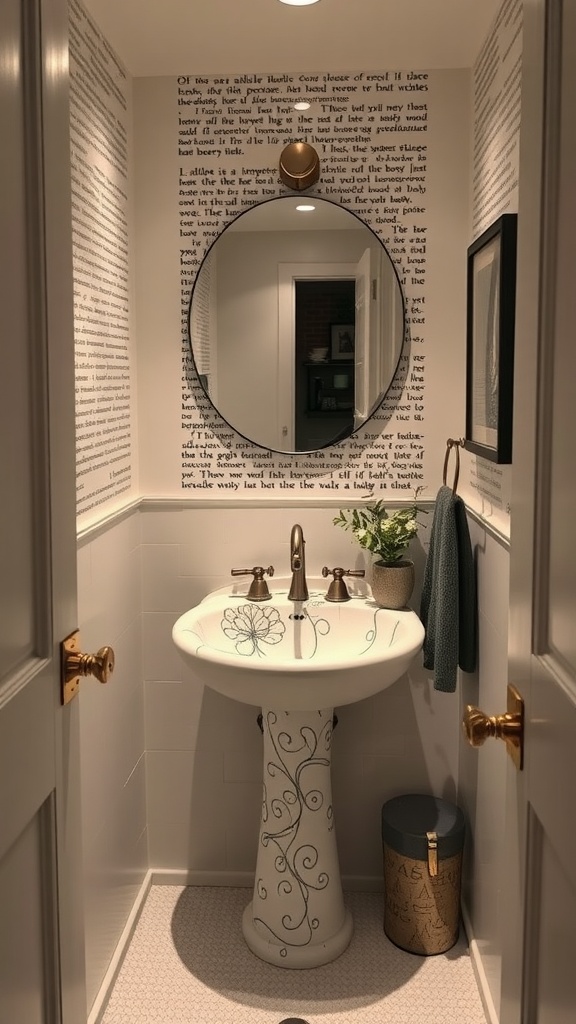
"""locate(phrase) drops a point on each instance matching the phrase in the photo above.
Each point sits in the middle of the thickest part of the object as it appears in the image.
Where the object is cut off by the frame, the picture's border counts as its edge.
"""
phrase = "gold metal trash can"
(423, 839)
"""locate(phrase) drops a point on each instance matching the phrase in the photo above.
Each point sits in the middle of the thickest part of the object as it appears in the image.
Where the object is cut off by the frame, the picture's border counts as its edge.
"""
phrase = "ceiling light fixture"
(299, 3)
(305, 209)
(301, 105)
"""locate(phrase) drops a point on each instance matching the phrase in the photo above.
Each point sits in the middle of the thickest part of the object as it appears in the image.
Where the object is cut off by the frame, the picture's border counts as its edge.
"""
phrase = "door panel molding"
(531, 949)
(546, 316)
(49, 884)
(33, 59)
(29, 989)
(26, 780)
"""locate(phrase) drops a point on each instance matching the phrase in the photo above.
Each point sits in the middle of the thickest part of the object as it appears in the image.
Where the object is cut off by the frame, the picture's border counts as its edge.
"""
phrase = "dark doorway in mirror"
(324, 387)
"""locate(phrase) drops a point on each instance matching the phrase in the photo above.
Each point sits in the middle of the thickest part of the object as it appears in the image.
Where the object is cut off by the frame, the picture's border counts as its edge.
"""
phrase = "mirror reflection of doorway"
(324, 387)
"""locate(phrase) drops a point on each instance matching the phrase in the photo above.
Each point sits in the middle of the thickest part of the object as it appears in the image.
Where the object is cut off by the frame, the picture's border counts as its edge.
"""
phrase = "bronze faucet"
(298, 589)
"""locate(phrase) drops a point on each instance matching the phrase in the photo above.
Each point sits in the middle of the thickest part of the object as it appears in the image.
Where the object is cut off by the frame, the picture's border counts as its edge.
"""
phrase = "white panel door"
(41, 929)
(539, 977)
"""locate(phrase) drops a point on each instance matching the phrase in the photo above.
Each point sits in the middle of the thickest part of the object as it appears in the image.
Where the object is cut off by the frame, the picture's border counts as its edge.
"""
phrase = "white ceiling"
(171, 37)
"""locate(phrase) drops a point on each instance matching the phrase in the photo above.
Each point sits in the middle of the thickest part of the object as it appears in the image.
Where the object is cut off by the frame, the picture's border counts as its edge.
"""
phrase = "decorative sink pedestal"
(298, 656)
(297, 916)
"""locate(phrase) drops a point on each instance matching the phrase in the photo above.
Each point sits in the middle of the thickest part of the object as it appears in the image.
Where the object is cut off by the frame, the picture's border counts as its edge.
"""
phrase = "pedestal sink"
(297, 661)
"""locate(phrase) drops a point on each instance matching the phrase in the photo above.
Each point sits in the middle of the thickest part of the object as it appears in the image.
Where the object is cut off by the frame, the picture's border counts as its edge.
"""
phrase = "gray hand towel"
(448, 605)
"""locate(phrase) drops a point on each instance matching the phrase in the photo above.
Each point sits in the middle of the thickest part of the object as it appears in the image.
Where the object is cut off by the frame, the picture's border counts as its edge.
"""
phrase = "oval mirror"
(296, 323)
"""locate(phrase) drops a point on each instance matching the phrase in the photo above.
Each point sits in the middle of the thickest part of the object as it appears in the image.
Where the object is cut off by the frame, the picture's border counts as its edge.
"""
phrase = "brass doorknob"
(478, 726)
(76, 664)
(99, 665)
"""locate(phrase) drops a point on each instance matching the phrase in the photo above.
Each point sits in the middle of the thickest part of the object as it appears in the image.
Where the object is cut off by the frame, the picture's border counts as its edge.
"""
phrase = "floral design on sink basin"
(250, 625)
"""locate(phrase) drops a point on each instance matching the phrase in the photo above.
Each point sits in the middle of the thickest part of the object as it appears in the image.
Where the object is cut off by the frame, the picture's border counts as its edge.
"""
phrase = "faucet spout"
(298, 588)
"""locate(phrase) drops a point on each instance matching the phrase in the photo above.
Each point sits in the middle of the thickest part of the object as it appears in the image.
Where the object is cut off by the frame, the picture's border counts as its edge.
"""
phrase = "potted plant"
(387, 537)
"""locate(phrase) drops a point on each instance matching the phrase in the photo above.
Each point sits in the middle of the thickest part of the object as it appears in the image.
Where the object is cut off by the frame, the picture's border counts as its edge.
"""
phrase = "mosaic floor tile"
(188, 964)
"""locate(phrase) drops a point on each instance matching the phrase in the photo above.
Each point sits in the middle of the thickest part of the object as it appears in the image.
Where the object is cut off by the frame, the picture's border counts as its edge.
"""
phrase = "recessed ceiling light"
(299, 3)
(305, 209)
(301, 106)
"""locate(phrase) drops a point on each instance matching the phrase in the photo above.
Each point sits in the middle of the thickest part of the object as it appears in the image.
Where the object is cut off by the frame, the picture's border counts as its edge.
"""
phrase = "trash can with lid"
(423, 839)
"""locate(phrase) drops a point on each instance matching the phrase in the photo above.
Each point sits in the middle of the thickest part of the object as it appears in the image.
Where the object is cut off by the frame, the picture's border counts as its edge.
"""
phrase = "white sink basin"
(297, 656)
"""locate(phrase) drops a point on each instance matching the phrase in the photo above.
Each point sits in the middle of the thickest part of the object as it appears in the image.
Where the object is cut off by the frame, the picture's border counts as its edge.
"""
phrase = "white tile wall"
(404, 739)
(109, 585)
(112, 741)
(115, 862)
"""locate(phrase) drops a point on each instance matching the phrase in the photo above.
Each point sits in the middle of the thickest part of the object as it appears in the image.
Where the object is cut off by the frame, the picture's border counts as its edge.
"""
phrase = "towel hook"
(455, 443)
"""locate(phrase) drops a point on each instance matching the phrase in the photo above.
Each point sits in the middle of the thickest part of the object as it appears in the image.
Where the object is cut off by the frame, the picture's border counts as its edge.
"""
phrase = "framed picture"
(491, 290)
(342, 337)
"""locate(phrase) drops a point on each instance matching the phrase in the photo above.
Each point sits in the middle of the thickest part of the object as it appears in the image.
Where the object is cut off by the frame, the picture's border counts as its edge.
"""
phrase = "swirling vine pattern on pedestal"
(296, 859)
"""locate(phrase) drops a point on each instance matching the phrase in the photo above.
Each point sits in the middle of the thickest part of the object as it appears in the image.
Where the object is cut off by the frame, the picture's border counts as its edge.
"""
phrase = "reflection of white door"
(366, 351)
(539, 977)
(379, 330)
(288, 275)
(41, 929)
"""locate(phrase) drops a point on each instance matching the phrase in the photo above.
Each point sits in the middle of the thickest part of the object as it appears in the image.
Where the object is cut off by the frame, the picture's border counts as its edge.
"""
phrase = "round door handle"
(478, 726)
(99, 665)
(74, 664)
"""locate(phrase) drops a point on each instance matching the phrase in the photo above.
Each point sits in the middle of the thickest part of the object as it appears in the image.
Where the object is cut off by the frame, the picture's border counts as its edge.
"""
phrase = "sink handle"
(338, 591)
(258, 588)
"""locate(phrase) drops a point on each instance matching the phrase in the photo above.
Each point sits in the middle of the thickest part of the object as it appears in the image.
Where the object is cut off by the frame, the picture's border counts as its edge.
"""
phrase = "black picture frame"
(342, 341)
(490, 319)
